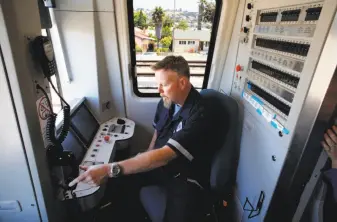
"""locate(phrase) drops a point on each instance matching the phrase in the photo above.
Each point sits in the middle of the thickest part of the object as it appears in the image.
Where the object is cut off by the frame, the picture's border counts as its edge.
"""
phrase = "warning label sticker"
(43, 108)
(43, 111)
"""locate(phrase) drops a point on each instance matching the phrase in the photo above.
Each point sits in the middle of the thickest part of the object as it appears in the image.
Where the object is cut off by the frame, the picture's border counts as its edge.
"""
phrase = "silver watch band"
(115, 170)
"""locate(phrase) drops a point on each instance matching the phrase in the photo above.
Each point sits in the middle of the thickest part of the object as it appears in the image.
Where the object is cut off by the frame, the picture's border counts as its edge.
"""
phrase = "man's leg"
(185, 202)
(125, 193)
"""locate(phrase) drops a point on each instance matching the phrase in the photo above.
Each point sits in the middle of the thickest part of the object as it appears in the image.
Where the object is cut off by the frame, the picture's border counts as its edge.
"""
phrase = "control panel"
(279, 47)
(103, 147)
(274, 50)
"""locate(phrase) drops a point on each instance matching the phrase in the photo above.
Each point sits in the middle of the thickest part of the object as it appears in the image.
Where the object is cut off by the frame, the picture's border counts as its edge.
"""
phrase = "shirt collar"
(188, 104)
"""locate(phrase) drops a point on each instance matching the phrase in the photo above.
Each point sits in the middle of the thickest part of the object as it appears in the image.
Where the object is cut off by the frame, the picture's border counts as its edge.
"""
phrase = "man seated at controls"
(185, 139)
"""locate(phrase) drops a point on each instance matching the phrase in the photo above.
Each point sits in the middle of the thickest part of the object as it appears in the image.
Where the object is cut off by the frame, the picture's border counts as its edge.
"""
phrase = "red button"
(97, 145)
(238, 68)
(107, 138)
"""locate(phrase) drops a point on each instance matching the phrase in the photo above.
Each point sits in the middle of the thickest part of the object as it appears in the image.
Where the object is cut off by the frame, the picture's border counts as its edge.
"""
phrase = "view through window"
(170, 27)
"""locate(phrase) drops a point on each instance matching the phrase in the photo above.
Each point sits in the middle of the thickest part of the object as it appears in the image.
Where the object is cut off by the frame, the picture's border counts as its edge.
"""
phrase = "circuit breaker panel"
(279, 48)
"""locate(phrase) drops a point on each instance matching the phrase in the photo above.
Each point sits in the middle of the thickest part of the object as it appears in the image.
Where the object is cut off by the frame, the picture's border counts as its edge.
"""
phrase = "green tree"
(157, 18)
(166, 31)
(208, 12)
(138, 48)
(166, 41)
(152, 36)
(182, 25)
(168, 21)
(140, 19)
(201, 11)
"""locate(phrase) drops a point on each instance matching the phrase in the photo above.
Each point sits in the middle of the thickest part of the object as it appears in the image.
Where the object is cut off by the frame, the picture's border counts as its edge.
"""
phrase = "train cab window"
(169, 27)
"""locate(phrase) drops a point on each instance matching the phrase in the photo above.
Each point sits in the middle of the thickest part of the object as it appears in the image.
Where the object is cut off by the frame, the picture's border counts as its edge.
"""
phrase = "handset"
(43, 53)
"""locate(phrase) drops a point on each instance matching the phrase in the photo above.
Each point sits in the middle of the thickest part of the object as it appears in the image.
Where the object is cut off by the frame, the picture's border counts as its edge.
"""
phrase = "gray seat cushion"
(153, 199)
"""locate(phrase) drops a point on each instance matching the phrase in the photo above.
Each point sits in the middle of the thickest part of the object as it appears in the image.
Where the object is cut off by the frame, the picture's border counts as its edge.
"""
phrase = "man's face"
(170, 86)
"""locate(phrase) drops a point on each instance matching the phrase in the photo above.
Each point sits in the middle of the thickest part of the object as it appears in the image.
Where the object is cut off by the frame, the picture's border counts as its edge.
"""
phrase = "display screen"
(84, 124)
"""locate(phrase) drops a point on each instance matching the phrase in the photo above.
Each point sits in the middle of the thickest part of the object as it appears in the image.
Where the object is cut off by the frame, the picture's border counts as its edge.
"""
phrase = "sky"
(189, 5)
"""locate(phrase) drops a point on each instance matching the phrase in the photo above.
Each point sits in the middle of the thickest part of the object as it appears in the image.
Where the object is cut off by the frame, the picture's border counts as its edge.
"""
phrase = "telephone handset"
(42, 50)
(44, 53)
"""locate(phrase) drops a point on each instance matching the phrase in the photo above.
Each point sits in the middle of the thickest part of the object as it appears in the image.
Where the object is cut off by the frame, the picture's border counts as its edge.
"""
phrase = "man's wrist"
(114, 170)
(107, 168)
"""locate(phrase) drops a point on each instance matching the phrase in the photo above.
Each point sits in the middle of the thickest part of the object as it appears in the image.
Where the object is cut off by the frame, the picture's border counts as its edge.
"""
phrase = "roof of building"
(140, 34)
(202, 35)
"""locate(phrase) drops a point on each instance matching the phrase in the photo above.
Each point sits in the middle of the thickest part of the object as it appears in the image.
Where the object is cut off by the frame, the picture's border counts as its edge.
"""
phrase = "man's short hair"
(177, 64)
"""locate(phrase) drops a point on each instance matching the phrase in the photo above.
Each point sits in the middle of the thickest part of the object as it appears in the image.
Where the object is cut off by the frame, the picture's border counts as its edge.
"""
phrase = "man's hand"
(330, 145)
(93, 175)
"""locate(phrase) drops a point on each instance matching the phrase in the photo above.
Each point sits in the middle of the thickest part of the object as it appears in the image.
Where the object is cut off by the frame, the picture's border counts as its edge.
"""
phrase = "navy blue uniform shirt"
(192, 134)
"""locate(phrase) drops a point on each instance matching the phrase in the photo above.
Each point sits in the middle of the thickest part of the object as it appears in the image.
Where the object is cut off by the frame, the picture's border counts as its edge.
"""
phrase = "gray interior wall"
(229, 66)
(16, 182)
(141, 110)
(84, 35)
(222, 44)
(24, 153)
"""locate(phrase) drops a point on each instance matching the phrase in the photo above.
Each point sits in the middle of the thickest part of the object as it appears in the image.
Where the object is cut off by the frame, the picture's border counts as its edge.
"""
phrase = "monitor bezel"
(83, 146)
(75, 129)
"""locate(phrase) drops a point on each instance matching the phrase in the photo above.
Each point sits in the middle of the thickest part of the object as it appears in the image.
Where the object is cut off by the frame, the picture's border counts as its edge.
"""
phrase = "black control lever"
(120, 121)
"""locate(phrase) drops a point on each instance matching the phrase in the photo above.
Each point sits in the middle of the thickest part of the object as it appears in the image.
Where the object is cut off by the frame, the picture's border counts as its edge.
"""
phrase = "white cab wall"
(85, 41)
(141, 110)
(222, 45)
(226, 78)
(23, 165)
(13, 164)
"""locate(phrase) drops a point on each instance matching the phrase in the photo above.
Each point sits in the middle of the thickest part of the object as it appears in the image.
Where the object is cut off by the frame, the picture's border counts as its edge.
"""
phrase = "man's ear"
(183, 82)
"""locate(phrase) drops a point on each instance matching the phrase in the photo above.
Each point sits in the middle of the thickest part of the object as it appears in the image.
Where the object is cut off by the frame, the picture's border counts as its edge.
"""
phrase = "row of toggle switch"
(283, 46)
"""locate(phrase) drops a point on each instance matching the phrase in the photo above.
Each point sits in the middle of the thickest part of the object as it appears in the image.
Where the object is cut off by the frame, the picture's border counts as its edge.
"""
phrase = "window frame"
(133, 61)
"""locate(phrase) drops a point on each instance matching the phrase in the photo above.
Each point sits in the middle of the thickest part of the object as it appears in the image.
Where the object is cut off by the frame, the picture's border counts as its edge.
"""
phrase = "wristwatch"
(115, 170)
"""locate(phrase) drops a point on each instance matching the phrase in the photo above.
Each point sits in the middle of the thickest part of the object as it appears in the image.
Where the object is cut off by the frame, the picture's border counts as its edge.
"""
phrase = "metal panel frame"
(15, 30)
(304, 152)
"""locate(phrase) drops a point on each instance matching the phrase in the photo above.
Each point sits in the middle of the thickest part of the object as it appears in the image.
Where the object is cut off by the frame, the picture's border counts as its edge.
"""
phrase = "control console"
(103, 147)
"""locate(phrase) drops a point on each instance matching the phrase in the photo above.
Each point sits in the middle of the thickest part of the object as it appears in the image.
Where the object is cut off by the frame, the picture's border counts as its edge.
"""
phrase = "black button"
(115, 135)
(95, 150)
(247, 18)
(106, 126)
(93, 155)
(105, 129)
(249, 6)
(120, 121)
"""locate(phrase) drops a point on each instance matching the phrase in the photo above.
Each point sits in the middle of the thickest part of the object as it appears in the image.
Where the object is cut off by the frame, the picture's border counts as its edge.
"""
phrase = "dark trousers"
(183, 201)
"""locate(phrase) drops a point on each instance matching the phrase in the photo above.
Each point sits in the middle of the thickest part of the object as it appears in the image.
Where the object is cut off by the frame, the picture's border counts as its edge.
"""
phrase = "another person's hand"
(330, 145)
(93, 175)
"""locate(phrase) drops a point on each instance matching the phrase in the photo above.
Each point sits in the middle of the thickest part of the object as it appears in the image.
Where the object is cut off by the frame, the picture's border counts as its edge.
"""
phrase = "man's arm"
(140, 163)
(153, 141)
(148, 160)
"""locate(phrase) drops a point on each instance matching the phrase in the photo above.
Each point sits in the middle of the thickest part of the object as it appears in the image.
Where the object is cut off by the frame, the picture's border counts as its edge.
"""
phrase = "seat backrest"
(225, 161)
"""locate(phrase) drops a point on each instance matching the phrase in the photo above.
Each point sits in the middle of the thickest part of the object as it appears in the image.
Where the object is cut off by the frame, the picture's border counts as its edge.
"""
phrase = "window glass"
(170, 27)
